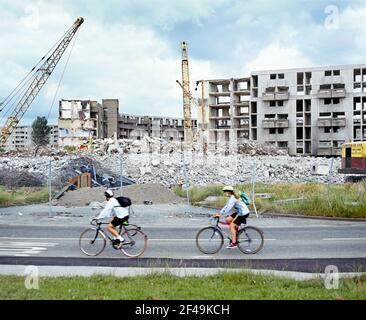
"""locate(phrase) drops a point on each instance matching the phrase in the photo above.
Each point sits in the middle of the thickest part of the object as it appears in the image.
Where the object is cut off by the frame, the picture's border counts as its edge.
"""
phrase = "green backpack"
(245, 198)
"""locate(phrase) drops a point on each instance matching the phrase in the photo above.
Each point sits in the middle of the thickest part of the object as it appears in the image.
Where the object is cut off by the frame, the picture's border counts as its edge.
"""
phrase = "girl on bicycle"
(238, 217)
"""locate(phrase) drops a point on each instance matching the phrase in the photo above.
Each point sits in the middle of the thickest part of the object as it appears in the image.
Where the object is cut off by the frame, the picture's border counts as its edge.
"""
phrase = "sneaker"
(118, 243)
(232, 245)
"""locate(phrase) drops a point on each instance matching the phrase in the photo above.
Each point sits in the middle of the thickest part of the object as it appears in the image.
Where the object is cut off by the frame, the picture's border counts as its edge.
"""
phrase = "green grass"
(22, 196)
(344, 200)
(224, 286)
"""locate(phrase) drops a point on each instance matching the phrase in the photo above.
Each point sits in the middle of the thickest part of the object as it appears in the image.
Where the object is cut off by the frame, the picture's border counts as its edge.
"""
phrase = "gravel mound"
(156, 193)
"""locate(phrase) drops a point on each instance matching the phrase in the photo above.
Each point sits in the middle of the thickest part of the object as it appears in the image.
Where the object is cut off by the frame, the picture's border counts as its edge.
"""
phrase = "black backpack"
(124, 201)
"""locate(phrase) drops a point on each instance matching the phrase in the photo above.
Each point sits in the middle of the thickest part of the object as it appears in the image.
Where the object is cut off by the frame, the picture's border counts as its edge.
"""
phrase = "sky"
(130, 50)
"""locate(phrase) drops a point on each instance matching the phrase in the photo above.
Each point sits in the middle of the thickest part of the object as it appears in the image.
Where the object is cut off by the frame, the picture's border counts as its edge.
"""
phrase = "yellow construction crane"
(36, 82)
(188, 134)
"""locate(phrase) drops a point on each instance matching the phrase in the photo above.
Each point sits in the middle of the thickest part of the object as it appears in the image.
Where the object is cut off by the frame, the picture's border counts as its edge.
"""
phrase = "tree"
(40, 132)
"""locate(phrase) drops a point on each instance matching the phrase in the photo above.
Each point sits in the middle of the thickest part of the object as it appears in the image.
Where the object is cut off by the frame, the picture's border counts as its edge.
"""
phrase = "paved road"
(290, 243)
(313, 241)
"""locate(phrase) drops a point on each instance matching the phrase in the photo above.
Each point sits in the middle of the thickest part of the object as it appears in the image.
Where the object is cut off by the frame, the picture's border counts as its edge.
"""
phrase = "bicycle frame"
(121, 228)
(227, 236)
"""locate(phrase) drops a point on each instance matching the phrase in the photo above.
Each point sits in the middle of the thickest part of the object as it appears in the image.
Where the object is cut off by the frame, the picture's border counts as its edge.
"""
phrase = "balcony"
(331, 122)
(339, 122)
(339, 93)
(329, 151)
(272, 96)
(275, 123)
(326, 122)
(268, 124)
(282, 123)
(324, 93)
(268, 96)
(324, 151)
(282, 96)
(331, 93)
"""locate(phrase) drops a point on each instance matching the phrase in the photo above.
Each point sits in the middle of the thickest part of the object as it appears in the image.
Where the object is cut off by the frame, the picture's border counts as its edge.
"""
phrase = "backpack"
(245, 198)
(124, 201)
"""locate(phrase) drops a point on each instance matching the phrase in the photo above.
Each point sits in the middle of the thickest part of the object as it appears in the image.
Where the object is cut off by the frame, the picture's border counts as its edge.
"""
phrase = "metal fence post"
(49, 188)
(253, 188)
(329, 177)
(121, 167)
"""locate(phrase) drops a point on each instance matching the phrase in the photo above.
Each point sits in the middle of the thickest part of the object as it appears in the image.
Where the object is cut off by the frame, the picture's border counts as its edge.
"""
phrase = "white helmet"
(109, 193)
(228, 188)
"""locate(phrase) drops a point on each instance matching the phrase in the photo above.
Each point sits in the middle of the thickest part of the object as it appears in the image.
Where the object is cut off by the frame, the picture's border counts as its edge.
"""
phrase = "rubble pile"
(153, 160)
(11, 179)
(202, 170)
(150, 144)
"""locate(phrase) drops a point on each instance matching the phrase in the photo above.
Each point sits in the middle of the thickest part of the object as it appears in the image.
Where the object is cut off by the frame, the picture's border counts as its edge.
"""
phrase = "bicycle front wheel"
(92, 242)
(135, 243)
(250, 240)
(209, 240)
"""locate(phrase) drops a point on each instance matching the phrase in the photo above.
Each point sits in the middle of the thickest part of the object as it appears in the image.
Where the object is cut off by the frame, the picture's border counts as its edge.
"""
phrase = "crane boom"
(41, 76)
(188, 134)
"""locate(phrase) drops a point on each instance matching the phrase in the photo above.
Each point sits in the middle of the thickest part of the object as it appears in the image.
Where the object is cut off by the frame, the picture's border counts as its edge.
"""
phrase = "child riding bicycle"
(237, 218)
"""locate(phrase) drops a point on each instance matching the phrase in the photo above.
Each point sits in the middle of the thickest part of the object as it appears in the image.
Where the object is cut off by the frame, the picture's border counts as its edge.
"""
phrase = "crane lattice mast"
(188, 134)
(40, 78)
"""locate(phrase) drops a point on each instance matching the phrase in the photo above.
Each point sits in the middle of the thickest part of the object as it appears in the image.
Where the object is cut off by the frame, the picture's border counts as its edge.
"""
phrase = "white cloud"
(276, 56)
(125, 61)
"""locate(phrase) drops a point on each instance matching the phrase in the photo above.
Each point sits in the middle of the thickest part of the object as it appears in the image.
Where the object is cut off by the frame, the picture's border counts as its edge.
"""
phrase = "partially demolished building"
(82, 121)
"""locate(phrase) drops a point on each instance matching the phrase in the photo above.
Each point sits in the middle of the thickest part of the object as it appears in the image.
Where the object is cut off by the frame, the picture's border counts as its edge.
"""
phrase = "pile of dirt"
(139, 194)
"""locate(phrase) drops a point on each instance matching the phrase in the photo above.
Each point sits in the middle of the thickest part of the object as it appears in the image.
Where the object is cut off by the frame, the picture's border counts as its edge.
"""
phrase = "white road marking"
(23, 249)
(344, 239)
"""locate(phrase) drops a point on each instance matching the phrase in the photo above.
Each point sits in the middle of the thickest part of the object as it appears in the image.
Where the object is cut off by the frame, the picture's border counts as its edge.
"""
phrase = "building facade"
(307, 111)
(21, 138)
(82, 120)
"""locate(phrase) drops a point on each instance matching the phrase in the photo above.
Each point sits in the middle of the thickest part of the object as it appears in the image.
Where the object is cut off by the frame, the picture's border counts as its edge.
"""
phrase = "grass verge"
(345, 200)
(22, 196)
(224, 286)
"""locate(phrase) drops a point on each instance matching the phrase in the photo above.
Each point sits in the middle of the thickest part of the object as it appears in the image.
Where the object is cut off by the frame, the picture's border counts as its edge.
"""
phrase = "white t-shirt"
(113, 209)
(238, 205)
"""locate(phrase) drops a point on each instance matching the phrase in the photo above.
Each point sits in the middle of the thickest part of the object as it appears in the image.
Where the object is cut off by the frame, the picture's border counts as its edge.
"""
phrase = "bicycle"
(209, 240)
(93, 240)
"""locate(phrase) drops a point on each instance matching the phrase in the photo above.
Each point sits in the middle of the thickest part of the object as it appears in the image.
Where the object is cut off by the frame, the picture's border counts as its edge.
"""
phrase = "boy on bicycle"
(120, 216)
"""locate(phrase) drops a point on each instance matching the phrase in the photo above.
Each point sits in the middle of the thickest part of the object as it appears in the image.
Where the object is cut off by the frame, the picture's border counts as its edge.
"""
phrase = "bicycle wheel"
(250, 240)
(135, 243)
(209, 240)
(92, 242)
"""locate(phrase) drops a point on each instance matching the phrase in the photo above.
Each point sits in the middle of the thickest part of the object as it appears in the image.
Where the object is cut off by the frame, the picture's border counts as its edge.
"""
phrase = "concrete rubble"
(152, 160)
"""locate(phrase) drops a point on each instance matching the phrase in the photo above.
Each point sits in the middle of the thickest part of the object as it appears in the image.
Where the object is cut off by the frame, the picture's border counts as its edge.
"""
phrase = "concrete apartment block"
(80, 120)
(306, 111)
(21, 138)
(135, 127)
(224, 117)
